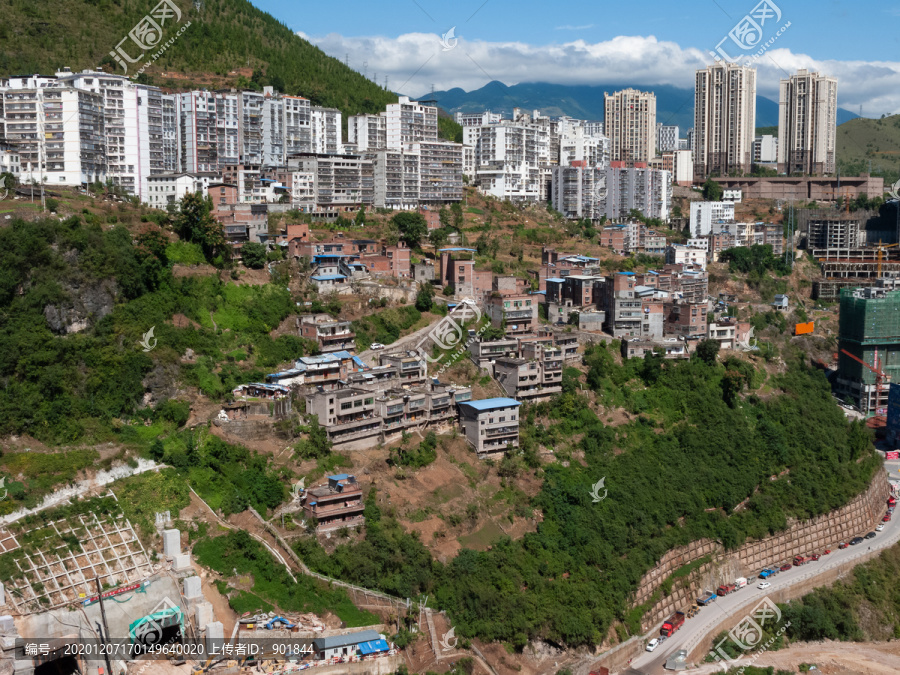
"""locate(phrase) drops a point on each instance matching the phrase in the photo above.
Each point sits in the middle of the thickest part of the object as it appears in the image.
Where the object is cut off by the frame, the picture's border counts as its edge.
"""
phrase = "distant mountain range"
(674, 105)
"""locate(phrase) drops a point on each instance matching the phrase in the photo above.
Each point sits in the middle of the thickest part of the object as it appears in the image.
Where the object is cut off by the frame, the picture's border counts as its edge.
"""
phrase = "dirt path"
(831, 658)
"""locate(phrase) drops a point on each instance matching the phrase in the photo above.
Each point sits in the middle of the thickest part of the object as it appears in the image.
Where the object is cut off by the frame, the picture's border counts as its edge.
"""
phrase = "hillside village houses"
(256, 155)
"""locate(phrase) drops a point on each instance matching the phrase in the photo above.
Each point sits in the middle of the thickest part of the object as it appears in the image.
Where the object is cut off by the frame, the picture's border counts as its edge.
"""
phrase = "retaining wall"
(800, 538)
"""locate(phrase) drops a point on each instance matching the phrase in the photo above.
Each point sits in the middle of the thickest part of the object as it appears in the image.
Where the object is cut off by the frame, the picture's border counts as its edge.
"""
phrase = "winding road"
(740, 603)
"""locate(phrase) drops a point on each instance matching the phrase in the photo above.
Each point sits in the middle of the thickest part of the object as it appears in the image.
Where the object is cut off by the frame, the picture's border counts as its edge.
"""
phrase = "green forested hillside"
(699, 459)
(224, 36)
(866, 143)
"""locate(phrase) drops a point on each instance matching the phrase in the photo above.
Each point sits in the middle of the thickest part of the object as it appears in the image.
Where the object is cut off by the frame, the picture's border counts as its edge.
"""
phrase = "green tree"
(360, 219)
(317, 444)
(253, 255)
(712, 191)
(8, 181)
(412, 226)
(194, 223)
(425, 297)
(707, 351)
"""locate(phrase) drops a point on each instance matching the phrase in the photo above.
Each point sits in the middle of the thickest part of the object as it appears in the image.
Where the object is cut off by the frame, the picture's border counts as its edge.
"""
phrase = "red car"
(815, 556)
(843, 544)
(886, 518)
(826, 551)
(785, 568)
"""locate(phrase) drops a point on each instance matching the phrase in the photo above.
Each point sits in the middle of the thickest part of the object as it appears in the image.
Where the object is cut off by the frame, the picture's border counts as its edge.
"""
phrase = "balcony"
(502, 431)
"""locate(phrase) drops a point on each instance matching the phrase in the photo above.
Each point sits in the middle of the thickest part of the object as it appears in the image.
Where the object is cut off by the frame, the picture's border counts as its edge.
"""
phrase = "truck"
(706, 598)
(766, 573)
(674, 623)
(740, 582)
(800, 560)
(726, 589)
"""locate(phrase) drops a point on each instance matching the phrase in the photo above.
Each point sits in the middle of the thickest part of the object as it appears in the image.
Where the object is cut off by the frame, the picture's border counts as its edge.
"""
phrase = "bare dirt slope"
(831, 658)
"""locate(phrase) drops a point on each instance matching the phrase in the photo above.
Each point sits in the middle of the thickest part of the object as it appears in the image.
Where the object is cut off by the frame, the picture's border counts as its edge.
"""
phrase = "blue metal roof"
(557, 280)
(626, 274)
(491, 403)
(366, 648)
(328, 277)
(457, 248)
(338, 476)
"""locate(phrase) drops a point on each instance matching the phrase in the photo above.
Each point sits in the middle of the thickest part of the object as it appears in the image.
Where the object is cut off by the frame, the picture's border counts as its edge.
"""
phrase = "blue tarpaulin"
(372, 647)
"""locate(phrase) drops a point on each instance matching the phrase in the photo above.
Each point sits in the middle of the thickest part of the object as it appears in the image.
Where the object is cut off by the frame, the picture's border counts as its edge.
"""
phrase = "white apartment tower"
(326, 131)
(367, 132)
(807, 124)
(724, 119)
(647, 190)
(410, 122)
(666, 138)
(198, 132)
(58, 132)
(138, 135)
(630, 124)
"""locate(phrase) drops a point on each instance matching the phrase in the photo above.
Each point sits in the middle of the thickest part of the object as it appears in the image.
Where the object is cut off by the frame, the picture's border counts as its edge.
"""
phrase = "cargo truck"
(726, 589)
(740, 582)
(674, 623)
(800, 560)
(706, 598)
(766, 573)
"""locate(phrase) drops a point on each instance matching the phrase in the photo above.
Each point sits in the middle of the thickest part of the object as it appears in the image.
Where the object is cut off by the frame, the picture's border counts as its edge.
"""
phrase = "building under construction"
(869, 329)
(853, 268)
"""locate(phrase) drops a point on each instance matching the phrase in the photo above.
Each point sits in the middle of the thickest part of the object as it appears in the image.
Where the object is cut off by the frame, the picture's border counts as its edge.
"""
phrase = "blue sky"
(582, 42)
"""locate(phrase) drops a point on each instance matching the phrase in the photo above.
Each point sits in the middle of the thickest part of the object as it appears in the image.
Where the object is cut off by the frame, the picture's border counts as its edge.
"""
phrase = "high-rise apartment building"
(58, 132)
(367, 132)
(666, 138)
(410, 122)
(807, 124)
(630, 124)
(326, 130)
(647, 190)
(724, 120)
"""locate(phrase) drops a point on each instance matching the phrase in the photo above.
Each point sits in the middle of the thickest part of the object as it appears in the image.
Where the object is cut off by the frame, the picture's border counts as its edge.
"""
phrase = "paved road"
(407, 342)
(740, 603)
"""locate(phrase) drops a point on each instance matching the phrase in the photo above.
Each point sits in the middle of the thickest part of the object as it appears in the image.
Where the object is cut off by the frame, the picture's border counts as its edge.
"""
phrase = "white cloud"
(415, 61)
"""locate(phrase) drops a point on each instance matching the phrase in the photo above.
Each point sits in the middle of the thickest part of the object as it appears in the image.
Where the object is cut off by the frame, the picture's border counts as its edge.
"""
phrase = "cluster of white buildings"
(73, 129)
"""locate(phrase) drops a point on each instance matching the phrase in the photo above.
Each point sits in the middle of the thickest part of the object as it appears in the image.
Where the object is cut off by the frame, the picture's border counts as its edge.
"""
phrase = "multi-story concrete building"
(330, 334)
(680, 164)
(765, 149)
(704, 215)
(679, 254)
(628, 314)
(508, 159)
(579, 191)
(536, 375)
(326, 130)
(637, 187)
(730, 333)
(58, 132)
(491, 425)
(630, 124)
(368, 132)
(165, 191)
(685, 318)
(335, 504)
(440, 171)
(807, 124)
(724, 120)
(134, 127)
(409, 122)
(666, 138)
(517, 312)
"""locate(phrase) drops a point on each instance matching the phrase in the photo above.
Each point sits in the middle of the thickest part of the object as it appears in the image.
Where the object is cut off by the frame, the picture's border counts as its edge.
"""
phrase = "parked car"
(871, 535)
(376, 345)
(815, 556)
(856, 540)
(879, 527)
(843, 544)
(887, 518)
(785, 568)
(826, 551)
(764, 585)
(653, 644)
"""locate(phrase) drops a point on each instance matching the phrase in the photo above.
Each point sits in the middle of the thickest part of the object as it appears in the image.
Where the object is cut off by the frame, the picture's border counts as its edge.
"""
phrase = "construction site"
(868, 345)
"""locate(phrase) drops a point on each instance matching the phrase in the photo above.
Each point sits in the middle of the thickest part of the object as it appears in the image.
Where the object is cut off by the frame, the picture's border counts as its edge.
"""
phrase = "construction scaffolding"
(869, 329)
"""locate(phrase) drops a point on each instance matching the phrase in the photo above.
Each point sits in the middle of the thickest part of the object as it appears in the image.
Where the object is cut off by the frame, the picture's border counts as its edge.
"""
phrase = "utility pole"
(104, 639)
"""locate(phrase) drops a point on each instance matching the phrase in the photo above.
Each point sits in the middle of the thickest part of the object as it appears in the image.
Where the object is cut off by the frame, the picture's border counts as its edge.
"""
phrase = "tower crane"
(880, 376)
